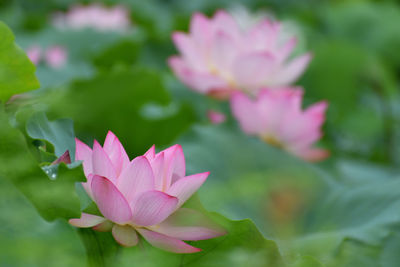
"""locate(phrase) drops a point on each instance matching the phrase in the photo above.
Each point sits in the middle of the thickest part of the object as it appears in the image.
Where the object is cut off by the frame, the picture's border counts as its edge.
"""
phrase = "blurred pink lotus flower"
(277, 118)
(56, 56)
(216, 117)
(34, 53)
(94, 16)
(143, 196)
(218, 57)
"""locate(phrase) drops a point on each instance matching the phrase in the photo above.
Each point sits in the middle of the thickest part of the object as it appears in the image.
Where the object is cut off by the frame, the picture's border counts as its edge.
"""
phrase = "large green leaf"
(308, 210)
(242, 246)
(60, 133)
(28, 240)
(53, 198)
(357, 253)
(17, 73)
(389, 256)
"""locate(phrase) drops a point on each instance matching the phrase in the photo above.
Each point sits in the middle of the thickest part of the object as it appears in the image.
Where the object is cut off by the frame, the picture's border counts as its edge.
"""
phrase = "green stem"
(99, 248)
(388, 122)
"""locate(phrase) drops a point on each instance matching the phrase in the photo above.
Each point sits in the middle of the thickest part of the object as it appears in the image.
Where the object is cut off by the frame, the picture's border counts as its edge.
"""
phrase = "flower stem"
(99, 248)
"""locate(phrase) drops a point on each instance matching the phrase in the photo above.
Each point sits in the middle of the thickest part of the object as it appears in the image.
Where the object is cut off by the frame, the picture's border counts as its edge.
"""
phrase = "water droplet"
(51, 171)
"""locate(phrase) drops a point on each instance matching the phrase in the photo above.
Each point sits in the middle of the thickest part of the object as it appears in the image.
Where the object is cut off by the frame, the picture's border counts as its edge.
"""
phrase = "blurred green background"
(344, 211)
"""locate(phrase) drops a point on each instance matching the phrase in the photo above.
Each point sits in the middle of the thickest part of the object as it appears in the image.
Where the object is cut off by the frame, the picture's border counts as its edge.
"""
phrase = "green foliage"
(117, 101)
(307, 261)
(344, 212)
(124, 52)
(52, 198)
(242, 246)
(92, 46)
(60, 133)
(100, 247)
(312, 212)
(17, 73)
(28, 240)
(389, 256)
(357, 88)
(232, 158)
(371, 25)
(328, 78)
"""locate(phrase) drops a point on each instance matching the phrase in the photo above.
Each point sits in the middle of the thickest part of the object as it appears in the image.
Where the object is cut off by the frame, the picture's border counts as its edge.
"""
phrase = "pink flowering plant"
(267, 138)
(95, 16)
(276, 116)
(143, 196)
(54, 56)
(216, 117)
(34, 53)
(218, 57)
(252, 67)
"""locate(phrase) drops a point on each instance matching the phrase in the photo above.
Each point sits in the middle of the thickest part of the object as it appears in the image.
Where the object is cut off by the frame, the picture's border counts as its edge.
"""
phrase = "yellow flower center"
(273, 141)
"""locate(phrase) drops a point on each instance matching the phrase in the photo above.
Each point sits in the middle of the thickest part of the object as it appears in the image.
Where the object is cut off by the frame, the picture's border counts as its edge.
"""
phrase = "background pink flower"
(217, 56)
(277, 118)
(216, 117)
(143, 196)
(34, 53)
(95, 16)
(56, 56)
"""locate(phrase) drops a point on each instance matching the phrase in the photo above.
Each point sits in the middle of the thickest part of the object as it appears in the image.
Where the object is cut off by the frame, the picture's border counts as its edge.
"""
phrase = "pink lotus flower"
(34, 53)
(218, 57)
(276, 117)
(216, 117)
(143, 196)
(56, 56)
(94, 16)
